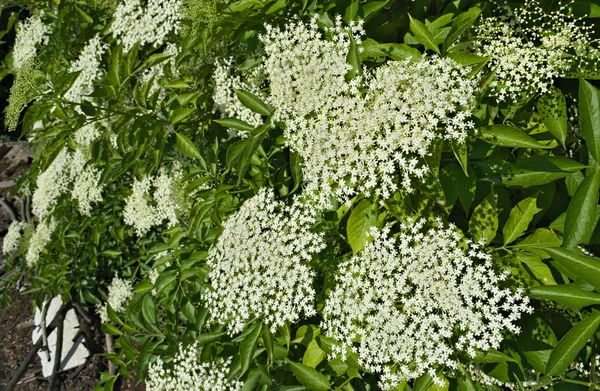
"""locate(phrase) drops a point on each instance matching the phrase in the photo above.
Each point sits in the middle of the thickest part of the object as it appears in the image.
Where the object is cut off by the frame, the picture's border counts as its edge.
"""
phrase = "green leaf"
(351, 11)
(187, 148)
(540, 270)
(540, 238)
(580, 221)
(552, 107)
(569, 295)
(484, 220)
(586, 268)
(235, 123)
(248, 347)
(313, 354)
(149, 310)
(114, 67)
(353, 59)
(251, 144)
(460, 24)
(589, 112)
(362, 218)
(207, 338)
(423, 35)
(492, 356)
(585, 9)
(153, 60)
(309, 377)
(252, 102)
(568, 347)
(296, 168)
(110, 329)
(507, 136)
(519, 219)
(371, 9)
(180, 114)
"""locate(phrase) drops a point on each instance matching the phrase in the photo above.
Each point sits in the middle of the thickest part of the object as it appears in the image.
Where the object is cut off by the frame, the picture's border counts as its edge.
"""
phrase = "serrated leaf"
(361, 219)
(461, 24)
(187, 148)
(149, 310)
(580, 221)
(353, 59)
(540, 270)
(552, 107)
(423, 35)
(309, 377)
(507, 136)
(313, 355)
(235, 123)
(248, 347)
(180, 114)
(519, 219)
(589, 113)
(568, 347)
(351, 11)
(252, 102)
(569, 295)
(586, 268)
(540, 238)
(207, 338)
(153, 60)
(484, 220)
(492, 356)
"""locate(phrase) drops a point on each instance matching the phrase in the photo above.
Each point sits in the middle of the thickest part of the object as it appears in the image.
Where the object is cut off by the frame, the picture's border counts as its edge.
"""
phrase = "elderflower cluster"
(187, 372)
(259, 265)
(68, 168)
(358, 135)
(409, 305)
(134, 23)
(89, 65)
(143, 211)
(30, 34)
(119, 293)
(224, 96)
(38, 241)
(13, 236)
(529, 47)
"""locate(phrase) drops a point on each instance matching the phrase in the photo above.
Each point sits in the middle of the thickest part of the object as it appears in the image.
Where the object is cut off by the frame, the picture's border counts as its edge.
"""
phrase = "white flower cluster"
(89, 63)
(529, 47)
(31, 33)
(120, 291)
(133, 23)
(258, 267)
(38, 241)
(156, 72)
(13, 236)
(224, 95)
(87, 134)
(188, 373)
(140, 213)
(66, 169)
(356, 135)
(408, 305)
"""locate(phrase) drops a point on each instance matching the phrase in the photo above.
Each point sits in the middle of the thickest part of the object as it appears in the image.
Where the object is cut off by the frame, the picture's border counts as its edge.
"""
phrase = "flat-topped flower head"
(120, 291)
(89, 64)
(259, 265)
(31, 33)
(187, 372)
(360, 135)
(415, 302)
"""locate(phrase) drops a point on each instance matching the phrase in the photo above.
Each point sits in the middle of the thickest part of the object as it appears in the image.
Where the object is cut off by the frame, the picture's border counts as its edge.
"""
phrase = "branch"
(8, 209)
(58, 351)
(112, 368)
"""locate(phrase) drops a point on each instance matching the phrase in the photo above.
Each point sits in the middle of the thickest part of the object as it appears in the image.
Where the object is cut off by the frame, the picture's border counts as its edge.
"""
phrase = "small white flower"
(258, 267)
(89, 63)
(38, 241)
(119, 293)
(187, 372)
(13, 236)
(30, 34)
(408, 306)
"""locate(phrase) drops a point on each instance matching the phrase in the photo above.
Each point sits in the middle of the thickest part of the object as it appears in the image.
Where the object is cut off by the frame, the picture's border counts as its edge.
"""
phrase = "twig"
(45, 346)
(82, 313)
(27, 209)
(58, 351)
(8, 209)
(112, 368)
(25, 325)
(37, 346)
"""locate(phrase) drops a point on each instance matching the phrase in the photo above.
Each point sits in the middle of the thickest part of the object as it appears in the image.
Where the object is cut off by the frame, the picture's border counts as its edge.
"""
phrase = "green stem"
(583, 383)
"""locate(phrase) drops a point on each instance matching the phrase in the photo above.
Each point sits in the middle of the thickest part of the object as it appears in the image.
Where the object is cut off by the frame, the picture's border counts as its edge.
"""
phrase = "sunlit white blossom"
(89, 64)
(120, 291)
(13, 236)
(30, 34)
(360, 135)
(410, 305)
(150, 23)
(38, 241)
(187, 372)
(259, 265)
(51, 184)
